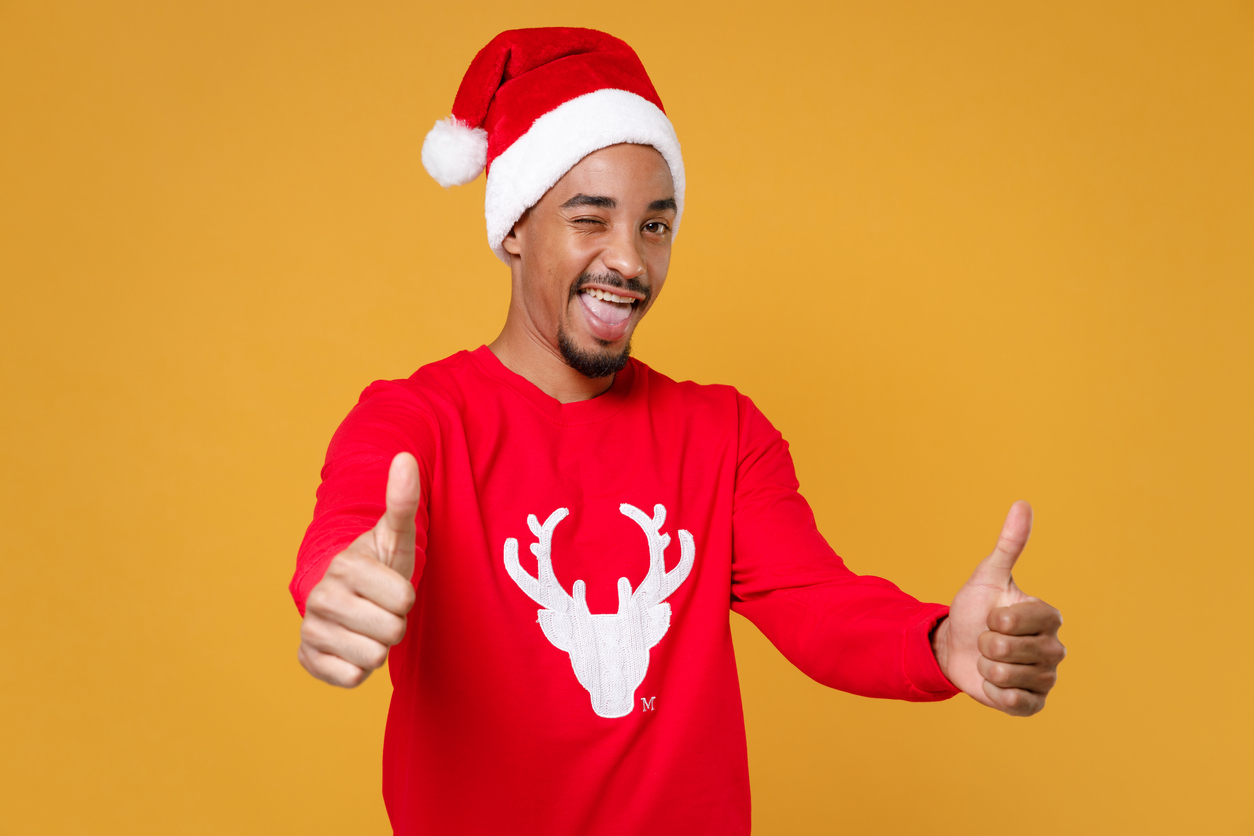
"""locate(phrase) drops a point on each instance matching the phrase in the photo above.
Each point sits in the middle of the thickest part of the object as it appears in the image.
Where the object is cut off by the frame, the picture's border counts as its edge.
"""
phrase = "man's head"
(589, 259)
(585, 186)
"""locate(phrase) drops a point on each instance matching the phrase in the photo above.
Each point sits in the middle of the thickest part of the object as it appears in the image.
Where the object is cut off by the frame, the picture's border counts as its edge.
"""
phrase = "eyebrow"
(590, 200)
(602, 202)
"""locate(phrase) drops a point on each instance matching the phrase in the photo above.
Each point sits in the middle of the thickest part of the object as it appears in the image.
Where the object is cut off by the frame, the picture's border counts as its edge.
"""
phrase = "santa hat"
(535, 102)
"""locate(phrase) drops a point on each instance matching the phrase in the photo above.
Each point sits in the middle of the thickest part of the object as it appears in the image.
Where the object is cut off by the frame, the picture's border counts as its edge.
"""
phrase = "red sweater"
(574, 674)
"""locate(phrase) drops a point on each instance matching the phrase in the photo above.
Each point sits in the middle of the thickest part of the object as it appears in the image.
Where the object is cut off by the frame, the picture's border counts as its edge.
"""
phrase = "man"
(585, 683)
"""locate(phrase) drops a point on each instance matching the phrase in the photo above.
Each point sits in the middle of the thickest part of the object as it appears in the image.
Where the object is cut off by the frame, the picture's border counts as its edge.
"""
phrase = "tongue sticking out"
(611, 313)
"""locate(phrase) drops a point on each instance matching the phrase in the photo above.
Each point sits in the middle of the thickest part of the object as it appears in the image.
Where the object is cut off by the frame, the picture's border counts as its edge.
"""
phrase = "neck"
(540, 363)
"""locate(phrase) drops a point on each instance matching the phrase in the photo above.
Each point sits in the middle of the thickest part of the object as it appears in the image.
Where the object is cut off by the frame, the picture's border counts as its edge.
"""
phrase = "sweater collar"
(603, 406)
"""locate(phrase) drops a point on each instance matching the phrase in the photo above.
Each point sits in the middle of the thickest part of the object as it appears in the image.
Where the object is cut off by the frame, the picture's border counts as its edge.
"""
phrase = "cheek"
(659, 265)
(547, 297)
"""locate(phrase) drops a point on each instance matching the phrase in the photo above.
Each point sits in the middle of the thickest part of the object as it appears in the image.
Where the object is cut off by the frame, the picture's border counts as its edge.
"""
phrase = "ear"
(512, 243)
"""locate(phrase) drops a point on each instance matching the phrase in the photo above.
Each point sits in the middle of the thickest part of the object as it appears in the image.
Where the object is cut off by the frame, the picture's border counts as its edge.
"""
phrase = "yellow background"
(960, 253)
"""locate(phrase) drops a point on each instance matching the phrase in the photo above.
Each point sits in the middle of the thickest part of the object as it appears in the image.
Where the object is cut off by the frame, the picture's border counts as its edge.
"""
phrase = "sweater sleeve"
(387, 420)
(858, 633)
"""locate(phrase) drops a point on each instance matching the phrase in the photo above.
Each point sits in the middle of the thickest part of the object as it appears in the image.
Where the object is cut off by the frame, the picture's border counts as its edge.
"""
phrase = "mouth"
(608, 312)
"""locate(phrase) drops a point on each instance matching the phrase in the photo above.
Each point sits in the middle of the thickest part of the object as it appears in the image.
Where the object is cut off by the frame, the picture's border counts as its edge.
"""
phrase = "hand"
(999, 645)
(357, 611)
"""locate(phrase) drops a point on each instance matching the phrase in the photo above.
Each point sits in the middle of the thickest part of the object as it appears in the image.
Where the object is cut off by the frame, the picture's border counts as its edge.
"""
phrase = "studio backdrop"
(961, 253)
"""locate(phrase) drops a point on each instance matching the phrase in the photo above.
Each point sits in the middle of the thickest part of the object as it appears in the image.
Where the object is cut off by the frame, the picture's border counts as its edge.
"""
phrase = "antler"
(658, 584)
(544, 588)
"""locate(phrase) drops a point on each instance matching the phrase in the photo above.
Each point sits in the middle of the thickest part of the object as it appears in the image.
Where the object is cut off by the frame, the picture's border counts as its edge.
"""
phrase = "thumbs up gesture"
(357, 611)
(999, 645)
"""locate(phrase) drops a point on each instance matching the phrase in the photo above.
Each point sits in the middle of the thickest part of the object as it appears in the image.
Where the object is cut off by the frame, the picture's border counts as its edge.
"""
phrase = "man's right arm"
(356, 613)
(365, 549)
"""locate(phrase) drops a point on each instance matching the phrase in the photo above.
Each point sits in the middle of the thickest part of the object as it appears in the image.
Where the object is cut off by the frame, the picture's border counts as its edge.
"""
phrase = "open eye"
(657, 227)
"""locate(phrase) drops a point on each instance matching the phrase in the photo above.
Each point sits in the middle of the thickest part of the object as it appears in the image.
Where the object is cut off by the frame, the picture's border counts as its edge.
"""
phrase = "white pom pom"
(454, 153)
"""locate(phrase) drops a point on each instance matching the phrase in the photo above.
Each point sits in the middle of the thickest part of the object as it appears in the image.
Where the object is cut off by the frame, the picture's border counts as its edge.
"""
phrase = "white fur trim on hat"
(558, 140)
(454, 152)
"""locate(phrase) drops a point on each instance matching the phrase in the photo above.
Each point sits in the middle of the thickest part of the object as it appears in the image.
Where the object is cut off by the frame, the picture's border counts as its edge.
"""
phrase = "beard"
(592, 364)
(596, 364)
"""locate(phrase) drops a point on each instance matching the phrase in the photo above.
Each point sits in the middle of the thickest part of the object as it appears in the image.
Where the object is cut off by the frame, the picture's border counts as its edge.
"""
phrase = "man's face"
(590, 258)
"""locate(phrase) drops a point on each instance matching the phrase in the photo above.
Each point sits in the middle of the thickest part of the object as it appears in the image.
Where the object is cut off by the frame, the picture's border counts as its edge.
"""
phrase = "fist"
(357, 611)
(1000, 645)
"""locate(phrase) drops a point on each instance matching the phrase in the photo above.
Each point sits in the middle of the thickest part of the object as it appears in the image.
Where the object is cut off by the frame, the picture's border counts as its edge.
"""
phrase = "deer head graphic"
(609, 652)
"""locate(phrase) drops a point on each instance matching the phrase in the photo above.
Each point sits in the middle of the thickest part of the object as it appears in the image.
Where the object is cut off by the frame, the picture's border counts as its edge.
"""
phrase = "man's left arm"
(857, 633)
(862, 634)
(998, 644)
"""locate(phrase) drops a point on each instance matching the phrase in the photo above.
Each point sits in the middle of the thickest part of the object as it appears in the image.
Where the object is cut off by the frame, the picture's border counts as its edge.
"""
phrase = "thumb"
(395, 533)
(995, 569)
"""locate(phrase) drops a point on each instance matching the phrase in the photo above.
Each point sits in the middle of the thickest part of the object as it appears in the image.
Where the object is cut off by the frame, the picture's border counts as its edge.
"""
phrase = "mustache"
(612, 279)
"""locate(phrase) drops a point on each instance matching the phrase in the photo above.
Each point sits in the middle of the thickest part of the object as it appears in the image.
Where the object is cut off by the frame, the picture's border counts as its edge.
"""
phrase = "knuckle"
(329, 668)
(340, 567)
(313, 631)
(1033, 706)
(328, 606)
(394, 631)
(317, 600)
(302, 656)
(377, 655)
(999, 675)
(346, 565)
(1021, 703)
(352, 678)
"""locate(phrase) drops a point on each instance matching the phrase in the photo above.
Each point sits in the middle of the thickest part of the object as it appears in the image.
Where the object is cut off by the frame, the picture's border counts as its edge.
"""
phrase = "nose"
(623, 253)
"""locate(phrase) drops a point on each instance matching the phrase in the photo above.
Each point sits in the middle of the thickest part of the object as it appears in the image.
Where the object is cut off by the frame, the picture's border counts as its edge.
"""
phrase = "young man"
(544, 536)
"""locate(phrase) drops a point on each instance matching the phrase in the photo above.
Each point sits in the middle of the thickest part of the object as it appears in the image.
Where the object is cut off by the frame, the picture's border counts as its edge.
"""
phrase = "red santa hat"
(535, 102)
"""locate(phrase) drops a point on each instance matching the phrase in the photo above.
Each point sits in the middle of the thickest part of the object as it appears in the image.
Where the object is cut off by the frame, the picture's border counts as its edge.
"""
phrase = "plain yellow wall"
(961, 253)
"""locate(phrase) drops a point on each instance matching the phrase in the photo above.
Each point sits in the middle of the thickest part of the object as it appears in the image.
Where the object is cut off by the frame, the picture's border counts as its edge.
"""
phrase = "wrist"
(938, 639)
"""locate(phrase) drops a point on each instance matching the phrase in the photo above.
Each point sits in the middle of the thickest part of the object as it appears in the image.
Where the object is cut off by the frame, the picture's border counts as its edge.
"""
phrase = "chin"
(598, 363)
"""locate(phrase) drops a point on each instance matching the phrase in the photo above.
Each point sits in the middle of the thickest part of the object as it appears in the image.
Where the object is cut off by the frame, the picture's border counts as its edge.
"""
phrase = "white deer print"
(609, 652)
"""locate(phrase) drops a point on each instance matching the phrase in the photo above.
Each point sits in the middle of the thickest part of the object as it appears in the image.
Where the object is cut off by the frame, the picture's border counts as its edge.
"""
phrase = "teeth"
(608, 297)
